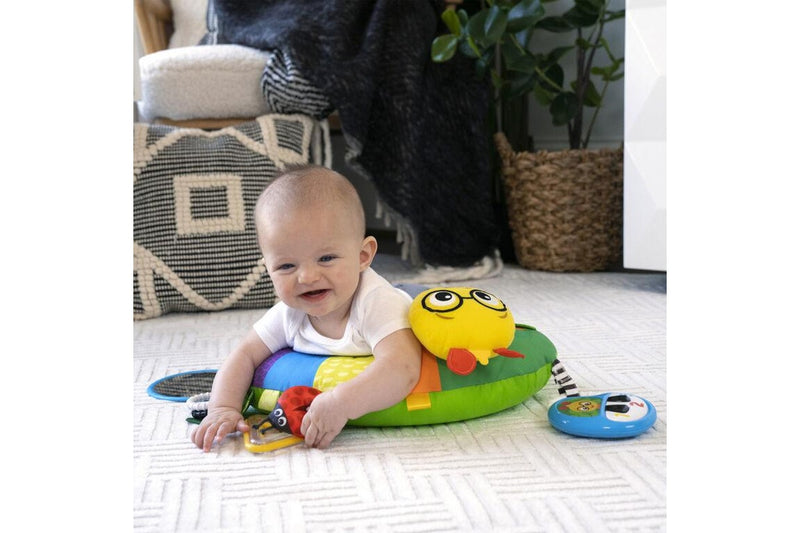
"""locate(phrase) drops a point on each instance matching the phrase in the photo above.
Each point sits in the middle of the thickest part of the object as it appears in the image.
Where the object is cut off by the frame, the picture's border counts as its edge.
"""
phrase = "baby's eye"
(327, 258)
(284, 266)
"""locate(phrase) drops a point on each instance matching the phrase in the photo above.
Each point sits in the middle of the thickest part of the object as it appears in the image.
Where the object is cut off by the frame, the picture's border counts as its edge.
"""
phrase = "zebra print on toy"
(566, 385)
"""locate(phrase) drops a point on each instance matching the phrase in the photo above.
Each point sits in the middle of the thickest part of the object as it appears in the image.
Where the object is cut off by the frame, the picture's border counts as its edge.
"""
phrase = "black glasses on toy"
(442, 300)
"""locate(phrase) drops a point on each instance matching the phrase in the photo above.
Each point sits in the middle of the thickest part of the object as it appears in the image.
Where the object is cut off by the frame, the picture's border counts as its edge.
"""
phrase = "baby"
(311, 228)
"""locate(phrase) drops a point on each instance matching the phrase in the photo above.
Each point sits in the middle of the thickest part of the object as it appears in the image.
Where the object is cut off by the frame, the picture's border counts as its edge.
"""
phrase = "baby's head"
(310, 225)
(309, 188)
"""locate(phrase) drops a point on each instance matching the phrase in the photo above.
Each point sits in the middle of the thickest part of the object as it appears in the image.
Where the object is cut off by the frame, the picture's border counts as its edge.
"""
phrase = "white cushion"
(215, 81)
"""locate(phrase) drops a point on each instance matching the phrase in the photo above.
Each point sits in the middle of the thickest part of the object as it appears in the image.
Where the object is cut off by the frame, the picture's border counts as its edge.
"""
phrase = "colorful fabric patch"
(336, 369)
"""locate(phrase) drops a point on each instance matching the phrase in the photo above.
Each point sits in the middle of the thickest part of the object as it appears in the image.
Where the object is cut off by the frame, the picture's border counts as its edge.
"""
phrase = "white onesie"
(377, 310)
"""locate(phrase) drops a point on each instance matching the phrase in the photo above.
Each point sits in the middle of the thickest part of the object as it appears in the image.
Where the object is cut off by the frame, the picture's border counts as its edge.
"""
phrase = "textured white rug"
(506, 472)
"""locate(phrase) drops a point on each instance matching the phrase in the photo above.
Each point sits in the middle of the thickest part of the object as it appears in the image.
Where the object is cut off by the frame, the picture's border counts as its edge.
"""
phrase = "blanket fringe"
(488, 267)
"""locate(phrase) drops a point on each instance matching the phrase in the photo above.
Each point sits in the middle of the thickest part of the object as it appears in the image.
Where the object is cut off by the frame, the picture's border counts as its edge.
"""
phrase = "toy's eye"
(489, 300)
(282, 422)
(278, 412)
(441, 300)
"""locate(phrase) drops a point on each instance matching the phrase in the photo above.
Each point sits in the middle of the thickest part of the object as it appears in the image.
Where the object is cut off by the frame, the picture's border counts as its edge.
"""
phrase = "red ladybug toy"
(291, 407)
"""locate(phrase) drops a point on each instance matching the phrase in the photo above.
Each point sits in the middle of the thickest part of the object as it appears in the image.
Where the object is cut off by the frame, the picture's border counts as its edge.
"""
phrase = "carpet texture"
(510, 471)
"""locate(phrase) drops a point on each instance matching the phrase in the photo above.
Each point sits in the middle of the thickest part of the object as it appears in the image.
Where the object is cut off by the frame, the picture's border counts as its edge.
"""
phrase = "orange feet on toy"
(505, 352)
(461, 361)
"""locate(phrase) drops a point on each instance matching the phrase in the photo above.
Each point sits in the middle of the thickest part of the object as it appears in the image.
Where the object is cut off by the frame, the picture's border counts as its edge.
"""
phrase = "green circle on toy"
(440, 396)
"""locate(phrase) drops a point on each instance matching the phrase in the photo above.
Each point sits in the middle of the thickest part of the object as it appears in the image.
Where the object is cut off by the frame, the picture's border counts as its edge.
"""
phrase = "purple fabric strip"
(263, 368)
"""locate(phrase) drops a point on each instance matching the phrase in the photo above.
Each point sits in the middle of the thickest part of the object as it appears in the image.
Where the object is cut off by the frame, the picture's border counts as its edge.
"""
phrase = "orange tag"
(429, 380)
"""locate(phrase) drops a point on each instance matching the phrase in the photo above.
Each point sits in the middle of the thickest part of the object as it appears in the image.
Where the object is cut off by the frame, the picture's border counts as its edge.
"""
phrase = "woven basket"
(564, 207)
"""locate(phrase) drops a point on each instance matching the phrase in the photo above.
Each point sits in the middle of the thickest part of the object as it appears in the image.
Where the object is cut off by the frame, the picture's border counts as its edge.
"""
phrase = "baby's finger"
(325, 440)
(214, 434)
(243, 426)
(208, 438)
(304, 424)
(197, 436)
(311, 434)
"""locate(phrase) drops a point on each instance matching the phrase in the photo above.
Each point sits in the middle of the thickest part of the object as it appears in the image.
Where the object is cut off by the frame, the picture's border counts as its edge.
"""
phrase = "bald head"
(311, 187)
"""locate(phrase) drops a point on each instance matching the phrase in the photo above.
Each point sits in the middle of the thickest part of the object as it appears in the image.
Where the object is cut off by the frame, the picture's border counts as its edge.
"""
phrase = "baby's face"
(314, 257)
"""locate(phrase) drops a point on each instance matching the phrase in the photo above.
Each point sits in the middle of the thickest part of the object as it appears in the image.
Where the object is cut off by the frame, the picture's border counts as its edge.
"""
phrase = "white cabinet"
(645, 211)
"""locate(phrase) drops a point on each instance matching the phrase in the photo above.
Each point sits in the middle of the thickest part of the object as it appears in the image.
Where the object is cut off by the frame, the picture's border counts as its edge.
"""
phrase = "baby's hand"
(218, 423)
(324, 420)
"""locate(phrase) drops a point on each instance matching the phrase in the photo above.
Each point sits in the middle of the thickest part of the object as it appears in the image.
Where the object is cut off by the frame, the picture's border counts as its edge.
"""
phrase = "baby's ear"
(369, 247)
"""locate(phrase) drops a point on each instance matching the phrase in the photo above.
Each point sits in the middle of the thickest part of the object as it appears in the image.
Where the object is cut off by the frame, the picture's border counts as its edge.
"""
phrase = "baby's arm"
(386, 381)
(227, 393)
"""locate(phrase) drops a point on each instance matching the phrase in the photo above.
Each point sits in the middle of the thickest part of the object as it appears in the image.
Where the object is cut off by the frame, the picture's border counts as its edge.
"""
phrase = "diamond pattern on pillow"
(195, 245)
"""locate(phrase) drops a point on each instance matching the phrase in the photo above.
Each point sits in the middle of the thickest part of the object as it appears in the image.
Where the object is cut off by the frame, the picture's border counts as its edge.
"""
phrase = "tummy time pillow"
(442, 394)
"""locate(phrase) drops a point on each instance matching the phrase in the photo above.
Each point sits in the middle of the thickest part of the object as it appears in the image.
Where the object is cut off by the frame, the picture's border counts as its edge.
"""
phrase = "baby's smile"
(314, 295)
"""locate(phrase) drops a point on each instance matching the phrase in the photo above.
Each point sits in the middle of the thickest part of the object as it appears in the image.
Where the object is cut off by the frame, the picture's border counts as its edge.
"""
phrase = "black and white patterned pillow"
(194, 241)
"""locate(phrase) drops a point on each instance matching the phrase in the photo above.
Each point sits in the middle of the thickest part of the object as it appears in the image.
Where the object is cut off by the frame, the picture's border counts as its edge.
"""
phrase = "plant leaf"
(450, 18)
(555, 55)
(524, 37)
(495, 25)
(480, 67)
(476, 27)
(563, 108)
(555, 74)
(578, 18)
(554, 24)
(606, 73)
(524, 15)
(519, 84)
(443, 48)
(591, 97)
(463, 17)
(524, 63)
(465, 48)
(614, 15)
(517, 59)
(590, 6)
(543, 97)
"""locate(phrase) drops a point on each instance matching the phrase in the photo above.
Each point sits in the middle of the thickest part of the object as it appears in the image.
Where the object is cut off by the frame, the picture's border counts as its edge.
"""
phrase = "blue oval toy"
(606, 416)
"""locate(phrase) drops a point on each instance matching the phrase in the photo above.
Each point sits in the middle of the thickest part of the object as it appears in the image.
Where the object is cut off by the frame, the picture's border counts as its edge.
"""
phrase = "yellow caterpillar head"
(460, 317)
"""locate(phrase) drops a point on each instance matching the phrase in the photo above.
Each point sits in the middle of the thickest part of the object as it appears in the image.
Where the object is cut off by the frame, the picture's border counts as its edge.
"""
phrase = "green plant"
(498, 37)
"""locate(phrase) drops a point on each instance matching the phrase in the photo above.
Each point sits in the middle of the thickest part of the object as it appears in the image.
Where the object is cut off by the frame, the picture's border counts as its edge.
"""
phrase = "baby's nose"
(307, 274)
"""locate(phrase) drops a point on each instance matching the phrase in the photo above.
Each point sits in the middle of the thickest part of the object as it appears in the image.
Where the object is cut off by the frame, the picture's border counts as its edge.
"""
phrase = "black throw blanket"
(415, 128)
